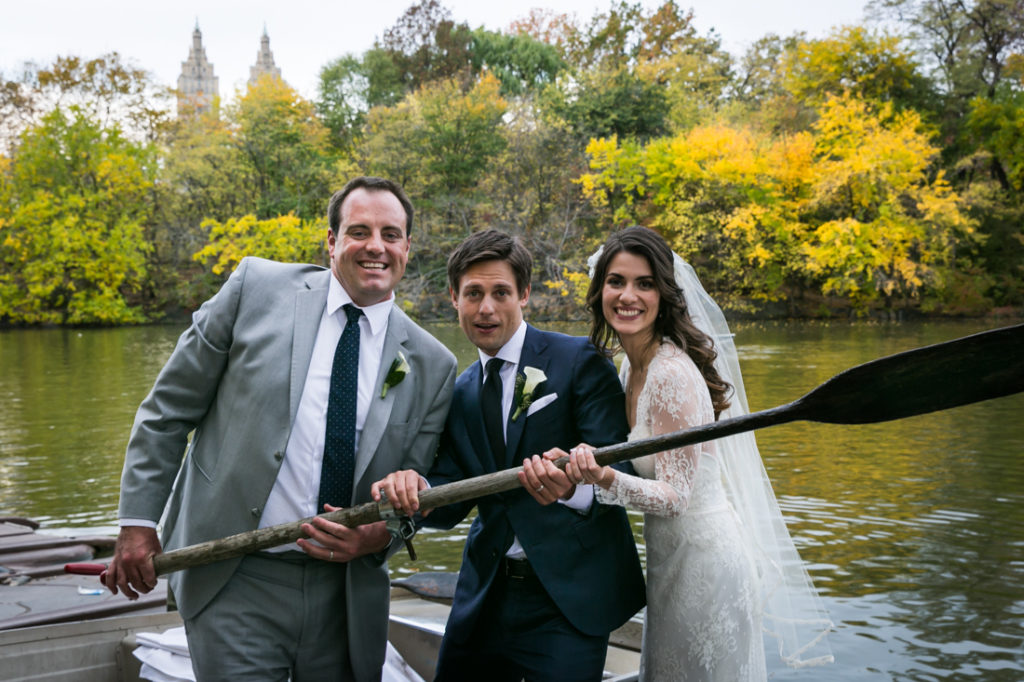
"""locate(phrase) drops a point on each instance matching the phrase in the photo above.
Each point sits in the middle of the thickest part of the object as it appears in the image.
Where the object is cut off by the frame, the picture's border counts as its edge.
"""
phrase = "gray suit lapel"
(380, 408)
(309, 309)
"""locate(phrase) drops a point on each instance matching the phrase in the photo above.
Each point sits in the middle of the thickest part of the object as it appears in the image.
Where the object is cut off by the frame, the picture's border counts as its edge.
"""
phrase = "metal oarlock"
(401, 527)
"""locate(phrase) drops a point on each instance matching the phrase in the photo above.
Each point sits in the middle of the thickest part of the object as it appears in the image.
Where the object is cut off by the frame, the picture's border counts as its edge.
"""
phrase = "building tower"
(197, 86)
(264, 62)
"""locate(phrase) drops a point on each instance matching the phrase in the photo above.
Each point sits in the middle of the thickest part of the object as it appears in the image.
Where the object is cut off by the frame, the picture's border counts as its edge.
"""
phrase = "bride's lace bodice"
(674, 397)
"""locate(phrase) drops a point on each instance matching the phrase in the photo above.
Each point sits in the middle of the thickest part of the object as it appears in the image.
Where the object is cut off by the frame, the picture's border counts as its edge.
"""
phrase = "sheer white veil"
(792, 611)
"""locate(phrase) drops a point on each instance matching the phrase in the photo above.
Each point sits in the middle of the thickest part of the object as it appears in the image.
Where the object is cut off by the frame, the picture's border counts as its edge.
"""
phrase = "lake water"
(913, 530)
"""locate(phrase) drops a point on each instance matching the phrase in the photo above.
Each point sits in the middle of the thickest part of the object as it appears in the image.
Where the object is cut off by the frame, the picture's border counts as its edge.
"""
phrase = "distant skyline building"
(264, 61)
(197, 85)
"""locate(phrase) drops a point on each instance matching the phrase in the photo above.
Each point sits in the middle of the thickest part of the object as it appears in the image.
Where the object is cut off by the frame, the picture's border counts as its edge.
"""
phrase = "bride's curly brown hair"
(672, 322)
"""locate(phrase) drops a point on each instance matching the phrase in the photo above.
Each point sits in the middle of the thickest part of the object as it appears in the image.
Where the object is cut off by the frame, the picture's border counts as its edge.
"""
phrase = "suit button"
(255, 511)
(278, 455)
(494, 552)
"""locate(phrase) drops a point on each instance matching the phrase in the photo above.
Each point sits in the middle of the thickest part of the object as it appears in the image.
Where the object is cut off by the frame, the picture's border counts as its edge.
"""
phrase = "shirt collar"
(376, 314)
(512, 349)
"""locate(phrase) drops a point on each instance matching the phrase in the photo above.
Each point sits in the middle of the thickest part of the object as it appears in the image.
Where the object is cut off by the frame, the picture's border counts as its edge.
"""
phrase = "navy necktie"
(339, 464)
(490, 404)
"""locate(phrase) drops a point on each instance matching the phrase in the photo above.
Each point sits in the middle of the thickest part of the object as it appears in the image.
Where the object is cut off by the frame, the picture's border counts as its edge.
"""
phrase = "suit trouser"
(521, 634)
(280, 616)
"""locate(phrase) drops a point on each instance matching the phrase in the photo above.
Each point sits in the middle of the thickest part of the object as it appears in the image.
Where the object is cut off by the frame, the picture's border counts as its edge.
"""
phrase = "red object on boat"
(85, 569)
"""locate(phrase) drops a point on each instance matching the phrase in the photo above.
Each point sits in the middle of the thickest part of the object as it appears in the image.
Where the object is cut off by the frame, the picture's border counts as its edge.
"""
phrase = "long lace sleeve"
(675, 397)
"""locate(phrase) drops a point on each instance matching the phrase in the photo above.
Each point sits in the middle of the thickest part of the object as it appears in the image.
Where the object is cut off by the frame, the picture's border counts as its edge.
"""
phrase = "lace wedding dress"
(703, 617)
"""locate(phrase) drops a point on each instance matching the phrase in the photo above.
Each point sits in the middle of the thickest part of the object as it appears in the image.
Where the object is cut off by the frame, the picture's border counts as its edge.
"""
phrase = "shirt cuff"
(581, 500)
(145, 523)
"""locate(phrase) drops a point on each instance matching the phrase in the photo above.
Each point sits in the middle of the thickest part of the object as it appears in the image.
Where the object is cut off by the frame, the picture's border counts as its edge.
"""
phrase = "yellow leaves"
(868, 153)
(284, 238)
(573, 284)
(850, 205)
(618, 168)
(791, 160)
(73, 248)
(852, 59)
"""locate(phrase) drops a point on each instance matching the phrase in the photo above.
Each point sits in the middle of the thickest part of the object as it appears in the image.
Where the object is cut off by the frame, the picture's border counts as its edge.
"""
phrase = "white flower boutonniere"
(399, 368)
(526, 388)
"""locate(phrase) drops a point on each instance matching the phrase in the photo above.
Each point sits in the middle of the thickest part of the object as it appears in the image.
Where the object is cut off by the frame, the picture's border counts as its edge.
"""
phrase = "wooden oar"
(967, 370)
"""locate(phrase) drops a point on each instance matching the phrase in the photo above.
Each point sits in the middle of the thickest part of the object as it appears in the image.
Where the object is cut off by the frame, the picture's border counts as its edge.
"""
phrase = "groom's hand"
(402, 491)
(544, 481)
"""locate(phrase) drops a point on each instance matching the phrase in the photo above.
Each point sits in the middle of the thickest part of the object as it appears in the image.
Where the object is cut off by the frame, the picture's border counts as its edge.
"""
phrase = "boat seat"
(436, 585)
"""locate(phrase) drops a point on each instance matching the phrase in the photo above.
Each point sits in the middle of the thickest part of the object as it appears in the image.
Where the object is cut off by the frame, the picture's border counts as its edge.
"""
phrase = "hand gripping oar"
(967, 370)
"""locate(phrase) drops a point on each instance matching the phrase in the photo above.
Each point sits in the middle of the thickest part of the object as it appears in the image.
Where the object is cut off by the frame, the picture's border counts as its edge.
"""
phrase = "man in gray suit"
(252, 379)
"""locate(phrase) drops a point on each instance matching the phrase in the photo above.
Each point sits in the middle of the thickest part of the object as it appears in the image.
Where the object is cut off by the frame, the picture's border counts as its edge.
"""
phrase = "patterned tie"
(339, 465)
(490, 403)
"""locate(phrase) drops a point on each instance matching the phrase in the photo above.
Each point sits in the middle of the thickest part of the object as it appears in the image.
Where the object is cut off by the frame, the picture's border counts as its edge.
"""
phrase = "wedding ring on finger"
(330, 557)
(540, 487)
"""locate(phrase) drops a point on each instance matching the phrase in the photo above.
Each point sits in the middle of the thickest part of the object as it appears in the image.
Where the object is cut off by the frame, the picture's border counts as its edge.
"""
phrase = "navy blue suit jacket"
(587, 562)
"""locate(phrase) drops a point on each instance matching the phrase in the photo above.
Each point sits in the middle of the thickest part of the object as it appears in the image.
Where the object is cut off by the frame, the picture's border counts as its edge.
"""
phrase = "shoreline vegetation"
(875, 173)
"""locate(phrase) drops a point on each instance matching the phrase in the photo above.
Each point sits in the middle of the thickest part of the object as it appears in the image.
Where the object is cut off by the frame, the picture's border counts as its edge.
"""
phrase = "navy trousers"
(521, 635)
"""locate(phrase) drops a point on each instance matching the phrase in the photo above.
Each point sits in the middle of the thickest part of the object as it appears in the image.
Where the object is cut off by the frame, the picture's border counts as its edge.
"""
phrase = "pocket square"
(540, 403)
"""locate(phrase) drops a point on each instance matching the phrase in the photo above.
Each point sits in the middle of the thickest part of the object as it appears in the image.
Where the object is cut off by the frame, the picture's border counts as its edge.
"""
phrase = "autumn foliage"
(867, 172)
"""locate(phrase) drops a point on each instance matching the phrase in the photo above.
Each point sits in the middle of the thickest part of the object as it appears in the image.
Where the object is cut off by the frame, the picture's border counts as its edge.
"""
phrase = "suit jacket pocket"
(193, 455)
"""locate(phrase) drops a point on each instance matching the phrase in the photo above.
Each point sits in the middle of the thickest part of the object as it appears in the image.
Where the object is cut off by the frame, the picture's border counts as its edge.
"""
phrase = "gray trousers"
(280, 617)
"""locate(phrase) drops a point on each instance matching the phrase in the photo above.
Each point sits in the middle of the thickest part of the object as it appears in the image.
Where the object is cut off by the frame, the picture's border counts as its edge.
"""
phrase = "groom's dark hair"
(370, 184)
(490, 245)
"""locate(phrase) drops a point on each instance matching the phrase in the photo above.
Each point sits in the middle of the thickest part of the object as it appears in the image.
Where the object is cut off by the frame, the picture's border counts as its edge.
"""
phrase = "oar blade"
(959, 372)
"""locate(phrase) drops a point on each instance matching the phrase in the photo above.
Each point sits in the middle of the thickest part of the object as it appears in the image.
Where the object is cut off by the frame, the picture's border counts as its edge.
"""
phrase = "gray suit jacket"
(235, 379)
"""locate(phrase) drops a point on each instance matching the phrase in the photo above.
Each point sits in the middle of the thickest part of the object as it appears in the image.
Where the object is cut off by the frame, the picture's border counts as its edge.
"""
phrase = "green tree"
(601, 104)
(341, 101)
(285, 149)
(75, 205)
(437, 141)
(389, 147)
(997, 129)
(522, 63)
(855, 60)
(202, 175)
(461, 132)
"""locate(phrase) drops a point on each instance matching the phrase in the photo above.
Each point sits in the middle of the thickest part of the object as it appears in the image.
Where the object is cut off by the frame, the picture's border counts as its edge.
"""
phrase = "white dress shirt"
(297, 488)
(511, 353)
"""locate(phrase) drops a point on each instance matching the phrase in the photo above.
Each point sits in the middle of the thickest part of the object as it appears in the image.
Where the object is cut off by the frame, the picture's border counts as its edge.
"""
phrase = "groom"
(540, 587)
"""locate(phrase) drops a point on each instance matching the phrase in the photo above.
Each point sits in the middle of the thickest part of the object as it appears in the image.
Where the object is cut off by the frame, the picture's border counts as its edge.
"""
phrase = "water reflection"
(913, 530)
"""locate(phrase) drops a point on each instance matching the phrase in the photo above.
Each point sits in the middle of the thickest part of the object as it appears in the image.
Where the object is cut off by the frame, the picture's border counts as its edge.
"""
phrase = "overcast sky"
(305, 35)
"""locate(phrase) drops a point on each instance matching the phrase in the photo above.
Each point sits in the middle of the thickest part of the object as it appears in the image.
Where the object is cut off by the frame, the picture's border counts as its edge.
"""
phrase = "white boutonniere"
(396, 373)
(525, 388)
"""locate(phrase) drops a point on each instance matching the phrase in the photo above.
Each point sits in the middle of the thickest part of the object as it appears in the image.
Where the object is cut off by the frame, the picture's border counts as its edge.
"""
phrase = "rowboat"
(62, 628)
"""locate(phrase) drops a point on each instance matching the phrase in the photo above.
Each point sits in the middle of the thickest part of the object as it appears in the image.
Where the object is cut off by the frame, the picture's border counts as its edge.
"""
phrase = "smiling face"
(629, 297)
(371, 249)
(489, 304)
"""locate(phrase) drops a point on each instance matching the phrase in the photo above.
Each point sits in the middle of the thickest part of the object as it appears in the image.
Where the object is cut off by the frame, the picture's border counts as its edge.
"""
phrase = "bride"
(721, 567)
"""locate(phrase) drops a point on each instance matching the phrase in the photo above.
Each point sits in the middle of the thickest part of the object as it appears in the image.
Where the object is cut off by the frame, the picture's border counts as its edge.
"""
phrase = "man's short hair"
(490, 245)
(371, 184)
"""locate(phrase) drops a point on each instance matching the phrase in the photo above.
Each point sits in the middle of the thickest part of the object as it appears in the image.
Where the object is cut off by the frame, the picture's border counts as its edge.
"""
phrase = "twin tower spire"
(197, 84)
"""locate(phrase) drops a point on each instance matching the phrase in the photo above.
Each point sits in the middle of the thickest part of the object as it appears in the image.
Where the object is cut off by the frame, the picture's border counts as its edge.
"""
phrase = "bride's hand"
(583, 468)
